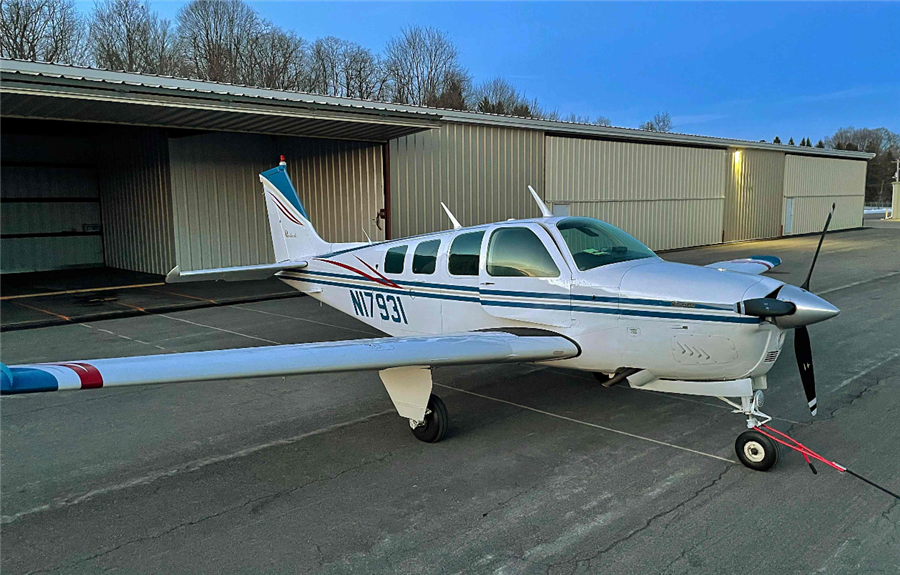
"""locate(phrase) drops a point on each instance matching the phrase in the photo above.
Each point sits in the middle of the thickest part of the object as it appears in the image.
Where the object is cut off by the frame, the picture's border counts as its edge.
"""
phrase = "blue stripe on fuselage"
(497, 303)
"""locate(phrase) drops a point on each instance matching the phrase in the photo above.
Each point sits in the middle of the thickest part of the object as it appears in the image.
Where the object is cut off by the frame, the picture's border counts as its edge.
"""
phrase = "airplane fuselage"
(678, 321)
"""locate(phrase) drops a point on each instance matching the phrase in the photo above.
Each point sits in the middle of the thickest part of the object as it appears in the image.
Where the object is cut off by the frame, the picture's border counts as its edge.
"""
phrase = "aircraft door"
(522, 276)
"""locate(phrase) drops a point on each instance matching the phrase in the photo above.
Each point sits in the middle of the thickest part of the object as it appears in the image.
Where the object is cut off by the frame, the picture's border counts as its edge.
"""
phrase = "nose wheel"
(756, 451)
(436, 423)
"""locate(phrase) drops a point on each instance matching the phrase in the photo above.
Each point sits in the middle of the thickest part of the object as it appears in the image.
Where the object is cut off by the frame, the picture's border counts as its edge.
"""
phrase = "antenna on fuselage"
(545, 213)
(368, 239)
(453, 220)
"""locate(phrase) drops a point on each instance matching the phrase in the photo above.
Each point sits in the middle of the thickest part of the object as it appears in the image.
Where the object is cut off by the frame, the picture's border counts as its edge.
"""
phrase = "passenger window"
(425, 257)
(517, 252)
(393, 260)
(464, 254)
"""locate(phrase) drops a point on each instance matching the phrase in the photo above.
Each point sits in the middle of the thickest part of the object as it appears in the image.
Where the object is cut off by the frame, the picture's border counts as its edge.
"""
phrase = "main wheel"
(756, 451)
(436, 424)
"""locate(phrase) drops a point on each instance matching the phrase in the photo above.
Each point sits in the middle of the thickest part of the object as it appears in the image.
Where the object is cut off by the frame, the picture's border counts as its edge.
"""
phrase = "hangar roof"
(55, 91)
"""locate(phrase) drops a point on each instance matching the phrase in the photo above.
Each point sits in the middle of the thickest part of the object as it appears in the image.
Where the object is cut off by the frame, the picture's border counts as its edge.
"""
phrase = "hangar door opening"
(51, 200)
(219, 210)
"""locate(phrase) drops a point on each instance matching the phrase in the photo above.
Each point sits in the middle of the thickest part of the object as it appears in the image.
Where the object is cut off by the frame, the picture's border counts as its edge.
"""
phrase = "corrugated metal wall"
(138, 232)
(50, 203)
(815, 183)
(480, 172)
(753, 194)
(220, 214)
(666, 196)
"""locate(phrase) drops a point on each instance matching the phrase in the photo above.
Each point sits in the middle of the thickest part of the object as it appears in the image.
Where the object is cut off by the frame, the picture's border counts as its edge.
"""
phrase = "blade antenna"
(545, 213)
(368, 239)
(816, 256)
(453, 220)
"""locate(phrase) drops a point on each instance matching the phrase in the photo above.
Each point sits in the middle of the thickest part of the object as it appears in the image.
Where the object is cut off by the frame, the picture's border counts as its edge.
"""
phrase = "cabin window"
(393, 260)
(465, 253)
(425, 258)
(517, 252)
(593, 243)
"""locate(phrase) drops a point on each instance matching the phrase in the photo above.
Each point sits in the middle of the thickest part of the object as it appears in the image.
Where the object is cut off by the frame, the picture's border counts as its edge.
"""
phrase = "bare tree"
(216, 39)
(341, 68)
(46, 30)
(661, 122)
(598, 121)
(420, 64)
(126, 35)
(277, 59)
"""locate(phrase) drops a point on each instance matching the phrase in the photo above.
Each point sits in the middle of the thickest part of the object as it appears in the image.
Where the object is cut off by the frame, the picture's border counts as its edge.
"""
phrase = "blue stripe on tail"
(279, 178)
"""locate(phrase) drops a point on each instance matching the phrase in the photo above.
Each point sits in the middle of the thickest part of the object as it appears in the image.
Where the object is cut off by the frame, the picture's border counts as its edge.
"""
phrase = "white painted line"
(188, 467)
(866, 371)
(222, 329)
(588, 424)
(854, 284)
(373, 332)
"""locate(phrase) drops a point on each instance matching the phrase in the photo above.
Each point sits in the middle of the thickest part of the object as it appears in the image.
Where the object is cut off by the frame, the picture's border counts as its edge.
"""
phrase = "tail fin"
(293, 236)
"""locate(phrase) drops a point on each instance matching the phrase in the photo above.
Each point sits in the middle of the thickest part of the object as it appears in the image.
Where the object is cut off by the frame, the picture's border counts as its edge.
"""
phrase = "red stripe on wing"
(88, 374)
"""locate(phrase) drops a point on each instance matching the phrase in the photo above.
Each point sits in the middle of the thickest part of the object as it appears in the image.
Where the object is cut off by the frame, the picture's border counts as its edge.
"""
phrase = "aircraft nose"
(810, 308)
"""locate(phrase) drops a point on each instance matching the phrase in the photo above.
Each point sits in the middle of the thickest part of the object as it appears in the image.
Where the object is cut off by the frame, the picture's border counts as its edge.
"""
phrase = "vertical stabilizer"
(293, 236)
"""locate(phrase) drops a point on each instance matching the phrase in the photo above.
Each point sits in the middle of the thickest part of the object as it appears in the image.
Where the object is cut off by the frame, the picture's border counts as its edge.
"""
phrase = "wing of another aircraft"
(748, 265)
(282, 360)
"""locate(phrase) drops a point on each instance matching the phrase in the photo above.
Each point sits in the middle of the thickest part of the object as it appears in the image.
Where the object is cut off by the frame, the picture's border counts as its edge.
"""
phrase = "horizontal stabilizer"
(282, 360)
(235, 274)
(750, 265)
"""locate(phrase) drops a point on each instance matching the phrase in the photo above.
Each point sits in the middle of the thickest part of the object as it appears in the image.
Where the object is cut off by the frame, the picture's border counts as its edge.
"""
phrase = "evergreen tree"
(791, 142)
(777, 140)
(820, 144)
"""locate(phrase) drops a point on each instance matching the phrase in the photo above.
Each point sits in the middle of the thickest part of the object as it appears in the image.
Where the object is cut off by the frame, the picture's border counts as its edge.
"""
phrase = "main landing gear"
(754, 449)
(436, 423)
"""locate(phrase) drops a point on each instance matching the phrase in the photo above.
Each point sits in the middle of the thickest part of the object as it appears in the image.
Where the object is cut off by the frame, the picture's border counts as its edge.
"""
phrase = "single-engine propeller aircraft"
(573, 292)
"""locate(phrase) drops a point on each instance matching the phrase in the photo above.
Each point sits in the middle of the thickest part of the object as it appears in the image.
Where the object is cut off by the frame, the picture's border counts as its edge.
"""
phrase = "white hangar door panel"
(50, 218)
(666, 196)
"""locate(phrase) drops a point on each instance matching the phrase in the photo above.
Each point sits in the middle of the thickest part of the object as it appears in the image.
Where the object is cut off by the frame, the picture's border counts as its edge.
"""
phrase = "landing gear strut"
(436, 423)
(754, 449)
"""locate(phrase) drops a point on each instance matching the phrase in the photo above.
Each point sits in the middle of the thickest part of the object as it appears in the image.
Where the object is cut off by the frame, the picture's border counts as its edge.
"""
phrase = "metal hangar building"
(141, 172)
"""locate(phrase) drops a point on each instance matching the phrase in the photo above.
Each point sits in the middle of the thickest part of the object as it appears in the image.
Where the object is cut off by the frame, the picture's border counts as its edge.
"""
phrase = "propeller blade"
(816, 256)
(803, 351)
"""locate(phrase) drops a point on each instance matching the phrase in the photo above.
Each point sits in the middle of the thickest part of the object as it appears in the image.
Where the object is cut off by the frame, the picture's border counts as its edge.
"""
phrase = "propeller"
(802, 345)
(796, 309)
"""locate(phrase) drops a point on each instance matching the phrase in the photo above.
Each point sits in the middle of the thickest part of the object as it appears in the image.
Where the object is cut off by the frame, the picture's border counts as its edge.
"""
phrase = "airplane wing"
(514, 345)
(239, 273)
(749, 265)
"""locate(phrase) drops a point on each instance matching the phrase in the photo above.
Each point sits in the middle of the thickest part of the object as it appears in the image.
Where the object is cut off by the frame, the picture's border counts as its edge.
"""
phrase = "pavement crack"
(647, 524)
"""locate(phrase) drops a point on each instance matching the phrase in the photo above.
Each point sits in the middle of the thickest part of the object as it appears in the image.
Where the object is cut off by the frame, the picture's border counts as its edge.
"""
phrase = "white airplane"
(565, 291)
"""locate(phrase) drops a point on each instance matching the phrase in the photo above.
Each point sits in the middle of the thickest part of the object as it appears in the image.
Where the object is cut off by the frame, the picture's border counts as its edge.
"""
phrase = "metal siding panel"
(666, 196)
(220, 211)
(136, 201)
(50, 253)
(816, 183)
(753, 194)
(480, 172)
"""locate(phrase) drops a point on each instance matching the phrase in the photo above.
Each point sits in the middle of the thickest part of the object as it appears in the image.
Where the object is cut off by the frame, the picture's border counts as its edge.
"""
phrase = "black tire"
(437, 422)
(756, 451)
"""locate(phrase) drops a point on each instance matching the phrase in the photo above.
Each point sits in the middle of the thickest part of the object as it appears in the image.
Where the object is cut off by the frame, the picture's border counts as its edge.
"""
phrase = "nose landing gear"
(754, 449)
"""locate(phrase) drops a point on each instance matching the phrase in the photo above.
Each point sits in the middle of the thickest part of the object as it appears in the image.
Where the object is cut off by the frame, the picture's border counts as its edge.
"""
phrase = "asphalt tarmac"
(317, 474)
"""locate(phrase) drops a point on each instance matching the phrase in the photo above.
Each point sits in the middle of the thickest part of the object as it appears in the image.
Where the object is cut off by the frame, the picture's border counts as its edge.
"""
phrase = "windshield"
(593, 243)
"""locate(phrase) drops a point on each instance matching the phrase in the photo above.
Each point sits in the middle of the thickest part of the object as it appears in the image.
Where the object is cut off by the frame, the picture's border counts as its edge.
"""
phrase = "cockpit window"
(593, 243)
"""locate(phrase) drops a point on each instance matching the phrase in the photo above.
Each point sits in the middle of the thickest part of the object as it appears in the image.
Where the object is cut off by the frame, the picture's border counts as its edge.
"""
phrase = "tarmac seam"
(854, 284)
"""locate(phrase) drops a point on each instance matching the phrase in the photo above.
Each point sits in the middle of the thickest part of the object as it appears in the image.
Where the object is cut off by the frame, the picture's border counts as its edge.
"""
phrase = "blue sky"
(742, 70)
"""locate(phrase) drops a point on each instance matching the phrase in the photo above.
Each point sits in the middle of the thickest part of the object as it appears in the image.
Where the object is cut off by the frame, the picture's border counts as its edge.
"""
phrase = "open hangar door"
(51, 216)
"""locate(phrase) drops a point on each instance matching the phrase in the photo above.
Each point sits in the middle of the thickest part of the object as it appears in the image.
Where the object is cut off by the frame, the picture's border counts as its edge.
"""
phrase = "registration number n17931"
(371, 305)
